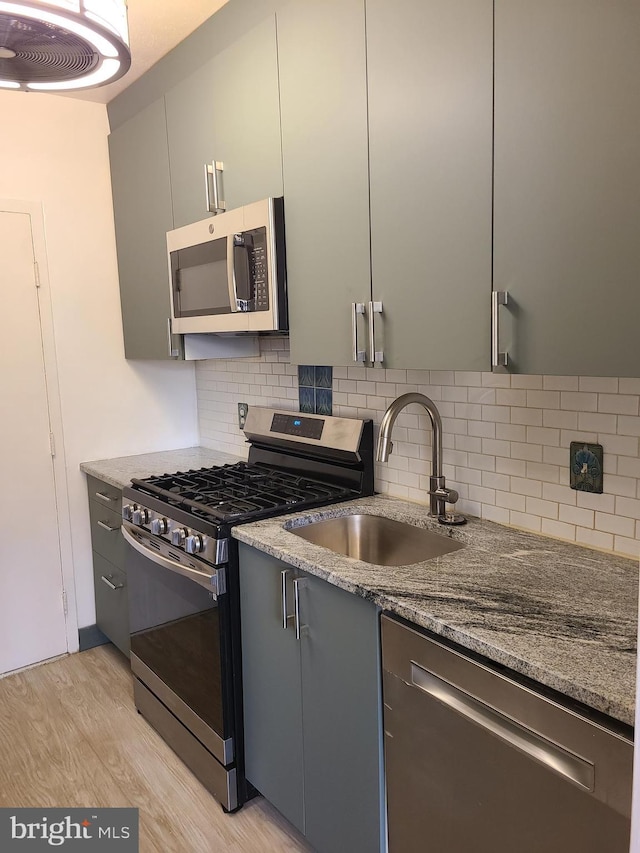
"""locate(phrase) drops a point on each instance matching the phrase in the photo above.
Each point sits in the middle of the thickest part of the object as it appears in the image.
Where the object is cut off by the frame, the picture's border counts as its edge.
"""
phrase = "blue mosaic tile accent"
(324, 377)
(307, 399)
(324, 401)
(306, 375)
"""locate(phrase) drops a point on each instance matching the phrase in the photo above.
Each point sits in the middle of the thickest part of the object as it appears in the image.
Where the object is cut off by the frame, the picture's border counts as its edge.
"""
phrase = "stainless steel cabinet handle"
(285, 608)
(498, 298)
(359, 355)
(173, 352)
(106, 527)
(211, 172)
(110, 584)
(300, 629)
(375, 356)
(104, 497)
(565, 763)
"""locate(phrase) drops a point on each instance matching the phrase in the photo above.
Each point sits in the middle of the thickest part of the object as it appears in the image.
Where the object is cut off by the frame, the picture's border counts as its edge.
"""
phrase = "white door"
(32, 619)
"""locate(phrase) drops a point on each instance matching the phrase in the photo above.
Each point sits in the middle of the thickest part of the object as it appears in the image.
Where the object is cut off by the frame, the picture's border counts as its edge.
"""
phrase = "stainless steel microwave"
(228, 274)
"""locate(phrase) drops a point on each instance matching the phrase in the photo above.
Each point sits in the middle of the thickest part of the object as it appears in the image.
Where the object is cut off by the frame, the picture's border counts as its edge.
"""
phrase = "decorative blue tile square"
(324, 401)
(306, 375)
(307, 398)
(324, 377)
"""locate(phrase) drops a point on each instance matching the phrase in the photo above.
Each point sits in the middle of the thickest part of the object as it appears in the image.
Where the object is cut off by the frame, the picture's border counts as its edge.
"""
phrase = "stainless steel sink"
(375, 539)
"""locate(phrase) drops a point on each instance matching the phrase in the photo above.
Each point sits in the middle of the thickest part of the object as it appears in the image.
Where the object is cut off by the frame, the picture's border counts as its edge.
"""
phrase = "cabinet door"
(341, 700)
(321, 53)
(567, 199)
(228, 111)
(430, 67)
(142, 214)
(272, 686)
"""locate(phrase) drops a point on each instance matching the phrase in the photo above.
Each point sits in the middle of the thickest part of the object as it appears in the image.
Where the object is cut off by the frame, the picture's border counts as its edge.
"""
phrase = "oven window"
(199, 280)
(176, 632)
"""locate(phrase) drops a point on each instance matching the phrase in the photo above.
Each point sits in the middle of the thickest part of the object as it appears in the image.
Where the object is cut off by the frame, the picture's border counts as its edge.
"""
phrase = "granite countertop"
(119, 472)
(561, 614)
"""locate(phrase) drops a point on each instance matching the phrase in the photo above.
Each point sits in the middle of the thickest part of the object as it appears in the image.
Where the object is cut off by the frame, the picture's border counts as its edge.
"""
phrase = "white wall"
(53, 150)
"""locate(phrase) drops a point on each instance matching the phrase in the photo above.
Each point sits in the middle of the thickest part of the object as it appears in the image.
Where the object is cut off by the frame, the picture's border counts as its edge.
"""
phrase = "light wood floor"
(70, 736)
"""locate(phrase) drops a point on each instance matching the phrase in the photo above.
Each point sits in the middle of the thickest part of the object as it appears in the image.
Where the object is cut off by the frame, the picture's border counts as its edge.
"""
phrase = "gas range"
(183, 579)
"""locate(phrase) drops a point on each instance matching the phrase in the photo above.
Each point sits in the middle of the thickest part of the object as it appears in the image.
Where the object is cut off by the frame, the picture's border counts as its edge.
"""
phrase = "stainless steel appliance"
(477, 760)
(227, 273)
(182, 575)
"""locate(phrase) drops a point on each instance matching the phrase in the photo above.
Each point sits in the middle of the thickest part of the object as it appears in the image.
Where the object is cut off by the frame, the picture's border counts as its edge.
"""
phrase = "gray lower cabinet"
(323, 103)
(142, 212)
(227, 111)
(567, 165)
(109, 574)
(312, 707)
(430, 82)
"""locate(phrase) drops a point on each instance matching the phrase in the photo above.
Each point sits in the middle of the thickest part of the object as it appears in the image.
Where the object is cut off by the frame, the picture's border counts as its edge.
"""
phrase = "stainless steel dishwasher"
(479, 763)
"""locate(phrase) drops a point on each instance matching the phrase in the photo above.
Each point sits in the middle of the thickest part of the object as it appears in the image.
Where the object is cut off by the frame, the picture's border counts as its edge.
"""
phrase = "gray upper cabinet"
(227, 111)
(430, 67)
(321, 51)
(567, 200)
(142, 213)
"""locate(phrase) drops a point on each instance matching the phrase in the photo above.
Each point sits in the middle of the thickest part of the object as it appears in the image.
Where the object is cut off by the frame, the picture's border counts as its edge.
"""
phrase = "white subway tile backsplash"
(594, 538)
(603, 384)
(628, 425)
(559, 529)
(560, 383)
(543, 399)
(510, 500)
(615, 524)
(506, 438)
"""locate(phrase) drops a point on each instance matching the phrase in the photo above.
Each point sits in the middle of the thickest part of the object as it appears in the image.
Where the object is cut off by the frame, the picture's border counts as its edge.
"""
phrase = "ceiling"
(155, 26)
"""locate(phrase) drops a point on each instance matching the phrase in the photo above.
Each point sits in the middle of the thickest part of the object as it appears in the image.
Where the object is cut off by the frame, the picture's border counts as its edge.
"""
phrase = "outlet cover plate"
(243, 409)
(585, 467)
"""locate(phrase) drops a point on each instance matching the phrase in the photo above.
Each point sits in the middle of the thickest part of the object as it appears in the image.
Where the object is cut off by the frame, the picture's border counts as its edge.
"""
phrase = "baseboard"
(90, 637)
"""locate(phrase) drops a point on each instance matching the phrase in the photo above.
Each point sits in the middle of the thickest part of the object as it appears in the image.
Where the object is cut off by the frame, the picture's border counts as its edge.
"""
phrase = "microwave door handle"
(231, 274)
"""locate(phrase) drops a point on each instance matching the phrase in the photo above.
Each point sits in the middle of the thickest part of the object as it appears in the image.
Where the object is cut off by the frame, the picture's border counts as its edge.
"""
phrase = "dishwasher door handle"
(560, 760)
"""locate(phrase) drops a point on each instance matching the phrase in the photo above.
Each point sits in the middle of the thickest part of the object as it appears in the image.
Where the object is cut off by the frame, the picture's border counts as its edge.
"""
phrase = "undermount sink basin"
(375, 539)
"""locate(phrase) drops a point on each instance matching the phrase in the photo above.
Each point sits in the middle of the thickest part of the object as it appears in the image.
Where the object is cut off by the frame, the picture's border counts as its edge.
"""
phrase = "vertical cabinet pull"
(498, 298)
(283, 590)
(300, 628)
(375, 356)
(212, 190)
(359, 355)
(173, 352)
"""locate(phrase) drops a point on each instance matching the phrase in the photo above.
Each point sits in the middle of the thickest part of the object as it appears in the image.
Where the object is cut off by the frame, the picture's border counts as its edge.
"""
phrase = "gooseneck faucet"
(439, 494)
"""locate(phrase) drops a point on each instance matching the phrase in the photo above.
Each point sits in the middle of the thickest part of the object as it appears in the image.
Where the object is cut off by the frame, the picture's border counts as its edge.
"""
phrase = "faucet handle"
(446, 494)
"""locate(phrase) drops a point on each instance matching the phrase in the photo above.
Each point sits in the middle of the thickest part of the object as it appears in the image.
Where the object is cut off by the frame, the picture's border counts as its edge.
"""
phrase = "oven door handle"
(214, 581)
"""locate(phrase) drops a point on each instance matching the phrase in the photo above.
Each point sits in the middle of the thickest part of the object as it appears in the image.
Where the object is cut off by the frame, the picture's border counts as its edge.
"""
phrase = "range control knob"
(194, 544)
(140, 516)
(127, 511)
(178, 536)
(159, 526)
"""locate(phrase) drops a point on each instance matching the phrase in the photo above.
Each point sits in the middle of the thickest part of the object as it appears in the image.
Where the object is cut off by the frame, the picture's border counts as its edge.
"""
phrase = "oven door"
(180, 640)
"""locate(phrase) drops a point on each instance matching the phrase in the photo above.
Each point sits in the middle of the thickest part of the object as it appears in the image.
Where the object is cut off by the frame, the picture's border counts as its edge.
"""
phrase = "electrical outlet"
(243, 408)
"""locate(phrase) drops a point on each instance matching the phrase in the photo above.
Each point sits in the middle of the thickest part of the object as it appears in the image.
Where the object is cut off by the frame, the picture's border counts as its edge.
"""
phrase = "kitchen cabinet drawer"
(104, 493)
(106, 538)
(112, 607)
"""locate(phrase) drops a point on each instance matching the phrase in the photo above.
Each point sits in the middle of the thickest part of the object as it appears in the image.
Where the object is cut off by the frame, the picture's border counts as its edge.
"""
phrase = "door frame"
(61, 492)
